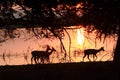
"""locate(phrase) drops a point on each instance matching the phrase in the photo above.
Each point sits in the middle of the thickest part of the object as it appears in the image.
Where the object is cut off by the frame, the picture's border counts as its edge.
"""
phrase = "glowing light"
(80, 36)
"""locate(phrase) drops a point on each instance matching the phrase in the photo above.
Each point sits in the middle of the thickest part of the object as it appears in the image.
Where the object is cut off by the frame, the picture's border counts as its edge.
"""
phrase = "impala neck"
(99, 50)
(50, 52)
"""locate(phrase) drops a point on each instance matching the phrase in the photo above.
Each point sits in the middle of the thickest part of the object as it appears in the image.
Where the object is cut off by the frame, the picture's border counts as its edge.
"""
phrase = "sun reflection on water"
(80, 36)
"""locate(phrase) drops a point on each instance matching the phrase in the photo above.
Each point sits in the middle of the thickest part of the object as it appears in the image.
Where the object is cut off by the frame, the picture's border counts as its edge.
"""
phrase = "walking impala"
(35, 54)
(42, 55)
(93, 52)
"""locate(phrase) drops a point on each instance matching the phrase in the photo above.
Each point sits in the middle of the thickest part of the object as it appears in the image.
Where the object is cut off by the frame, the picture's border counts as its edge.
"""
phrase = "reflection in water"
(18, 51)
(80, 36)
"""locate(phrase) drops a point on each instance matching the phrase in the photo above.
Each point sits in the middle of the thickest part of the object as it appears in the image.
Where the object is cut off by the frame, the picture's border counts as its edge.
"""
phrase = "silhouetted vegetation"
(53, 16)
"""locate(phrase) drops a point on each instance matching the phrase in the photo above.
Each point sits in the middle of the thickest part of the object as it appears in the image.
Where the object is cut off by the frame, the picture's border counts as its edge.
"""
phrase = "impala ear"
(53, 48)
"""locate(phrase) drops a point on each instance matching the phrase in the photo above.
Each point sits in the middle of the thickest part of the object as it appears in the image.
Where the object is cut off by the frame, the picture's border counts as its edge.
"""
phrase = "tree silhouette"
(104, 15)
(55, 15)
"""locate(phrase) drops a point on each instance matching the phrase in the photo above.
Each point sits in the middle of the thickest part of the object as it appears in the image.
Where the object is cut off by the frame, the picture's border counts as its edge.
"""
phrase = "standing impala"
(35, 54)
(46, 55)
(93, 52)
(42, 55)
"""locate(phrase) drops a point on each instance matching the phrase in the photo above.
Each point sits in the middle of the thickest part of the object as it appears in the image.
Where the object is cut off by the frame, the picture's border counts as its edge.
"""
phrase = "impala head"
(102, 49)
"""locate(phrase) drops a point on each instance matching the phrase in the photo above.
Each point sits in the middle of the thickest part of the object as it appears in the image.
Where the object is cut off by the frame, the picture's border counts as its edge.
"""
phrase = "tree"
(104, 15)
(57, 14)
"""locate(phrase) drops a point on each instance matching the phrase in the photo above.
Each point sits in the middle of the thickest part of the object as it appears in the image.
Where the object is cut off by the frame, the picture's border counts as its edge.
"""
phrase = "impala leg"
(48, 60)
(32, 60)
(95, 57)
(42, 60)
(38, 60)
(35, 60)
(88, 57)
(84, 57)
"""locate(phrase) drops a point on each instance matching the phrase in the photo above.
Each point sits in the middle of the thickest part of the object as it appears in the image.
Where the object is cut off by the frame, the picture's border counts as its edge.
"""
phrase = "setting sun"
(80, 36)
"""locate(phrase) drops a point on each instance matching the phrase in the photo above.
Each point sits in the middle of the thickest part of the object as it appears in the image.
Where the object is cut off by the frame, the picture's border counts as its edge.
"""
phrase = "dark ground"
(62, 71)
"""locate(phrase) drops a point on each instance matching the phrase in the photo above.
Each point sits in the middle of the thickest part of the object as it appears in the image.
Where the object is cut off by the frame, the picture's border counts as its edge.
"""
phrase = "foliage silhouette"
(53, 15)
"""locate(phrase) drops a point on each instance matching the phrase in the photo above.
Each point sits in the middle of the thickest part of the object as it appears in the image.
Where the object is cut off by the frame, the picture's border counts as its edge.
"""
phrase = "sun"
(80, 36)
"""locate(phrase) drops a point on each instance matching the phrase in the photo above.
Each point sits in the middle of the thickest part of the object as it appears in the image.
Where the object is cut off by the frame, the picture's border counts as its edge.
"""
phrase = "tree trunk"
(116, 58)
(60, 39)
(70, 59)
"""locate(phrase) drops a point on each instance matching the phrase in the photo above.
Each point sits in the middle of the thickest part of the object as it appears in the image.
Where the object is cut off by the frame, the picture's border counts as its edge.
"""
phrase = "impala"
(42, 55)
(93, 52)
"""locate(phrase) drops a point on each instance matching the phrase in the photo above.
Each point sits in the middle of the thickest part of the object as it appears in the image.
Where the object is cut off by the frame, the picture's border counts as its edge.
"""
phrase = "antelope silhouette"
(93, 52)
(46, 55)
(35, 54)
(42, 55)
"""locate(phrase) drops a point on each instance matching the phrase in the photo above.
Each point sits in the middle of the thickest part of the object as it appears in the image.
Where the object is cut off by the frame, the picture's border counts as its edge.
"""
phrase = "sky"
(18, 51)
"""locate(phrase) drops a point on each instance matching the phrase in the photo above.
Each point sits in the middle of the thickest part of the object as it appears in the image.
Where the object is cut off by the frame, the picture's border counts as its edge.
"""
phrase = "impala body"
(93, 52)
(41, 55)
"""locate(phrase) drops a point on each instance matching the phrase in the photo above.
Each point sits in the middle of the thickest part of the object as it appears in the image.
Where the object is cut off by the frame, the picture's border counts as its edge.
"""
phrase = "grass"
(61, 71)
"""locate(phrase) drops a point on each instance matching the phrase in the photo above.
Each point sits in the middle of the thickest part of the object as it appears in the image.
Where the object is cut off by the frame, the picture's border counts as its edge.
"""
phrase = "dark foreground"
(66, 71)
